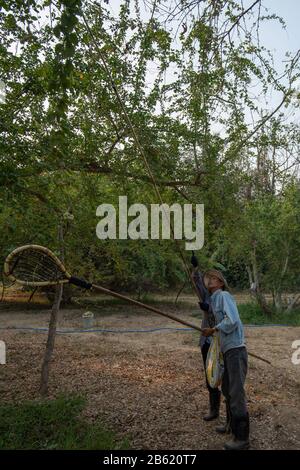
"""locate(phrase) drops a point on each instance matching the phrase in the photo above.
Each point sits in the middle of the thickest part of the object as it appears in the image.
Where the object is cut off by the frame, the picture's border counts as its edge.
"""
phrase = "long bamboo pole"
(160, 312)
(147, 307)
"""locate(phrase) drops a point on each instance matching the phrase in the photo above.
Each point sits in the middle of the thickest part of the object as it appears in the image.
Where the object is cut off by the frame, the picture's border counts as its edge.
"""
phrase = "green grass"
(53, 424)
(252, 313)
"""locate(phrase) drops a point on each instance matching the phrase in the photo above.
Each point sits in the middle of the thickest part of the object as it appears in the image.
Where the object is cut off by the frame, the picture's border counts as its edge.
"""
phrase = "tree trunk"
(278, 289)
(252, 285)
(292, 303)
(258, 293)
(278, 300)
(250, 277)
(52, 324)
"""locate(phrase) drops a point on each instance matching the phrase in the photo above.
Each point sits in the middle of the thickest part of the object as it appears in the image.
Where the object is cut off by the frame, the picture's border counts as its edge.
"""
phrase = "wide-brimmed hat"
(216, 273)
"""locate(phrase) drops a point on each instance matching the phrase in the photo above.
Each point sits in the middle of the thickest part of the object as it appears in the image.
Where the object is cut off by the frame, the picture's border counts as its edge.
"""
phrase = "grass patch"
(53, 424)
(253, 314)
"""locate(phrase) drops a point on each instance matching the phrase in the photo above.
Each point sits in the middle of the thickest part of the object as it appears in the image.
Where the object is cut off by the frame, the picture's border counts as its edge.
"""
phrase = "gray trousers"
(235, 371)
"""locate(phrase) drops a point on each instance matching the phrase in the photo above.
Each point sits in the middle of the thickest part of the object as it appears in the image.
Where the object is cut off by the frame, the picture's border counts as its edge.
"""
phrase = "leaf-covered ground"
(150, 386)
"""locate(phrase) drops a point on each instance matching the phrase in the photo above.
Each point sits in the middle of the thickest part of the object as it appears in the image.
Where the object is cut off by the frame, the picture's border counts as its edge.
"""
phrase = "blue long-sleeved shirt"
(228, 321)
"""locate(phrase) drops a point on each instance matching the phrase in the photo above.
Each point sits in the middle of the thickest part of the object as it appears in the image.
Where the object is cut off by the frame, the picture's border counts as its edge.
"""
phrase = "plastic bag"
(214, 363)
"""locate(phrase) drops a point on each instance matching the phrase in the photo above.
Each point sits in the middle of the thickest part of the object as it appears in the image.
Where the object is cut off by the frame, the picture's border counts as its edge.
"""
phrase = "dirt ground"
(150, 386)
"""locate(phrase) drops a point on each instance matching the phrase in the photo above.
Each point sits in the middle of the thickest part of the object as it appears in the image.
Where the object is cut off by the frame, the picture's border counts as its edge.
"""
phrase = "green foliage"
(53, 424)
(66, 148)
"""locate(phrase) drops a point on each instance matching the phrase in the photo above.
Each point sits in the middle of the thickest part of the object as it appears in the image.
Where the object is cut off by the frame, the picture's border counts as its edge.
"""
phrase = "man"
(208, 320)
(229, 327)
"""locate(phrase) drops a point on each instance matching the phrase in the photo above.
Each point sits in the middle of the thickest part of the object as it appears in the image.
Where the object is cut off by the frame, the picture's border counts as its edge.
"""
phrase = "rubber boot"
(240, 429)
(214, 402)
(225, 428)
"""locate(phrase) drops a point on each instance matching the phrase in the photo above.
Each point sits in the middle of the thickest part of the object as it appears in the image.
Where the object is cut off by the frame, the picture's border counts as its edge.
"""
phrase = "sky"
(277, 39)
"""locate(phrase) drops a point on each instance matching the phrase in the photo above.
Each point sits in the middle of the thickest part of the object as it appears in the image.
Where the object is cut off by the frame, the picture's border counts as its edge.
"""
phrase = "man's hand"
(204, 306)
(208, 331)
(194, 260)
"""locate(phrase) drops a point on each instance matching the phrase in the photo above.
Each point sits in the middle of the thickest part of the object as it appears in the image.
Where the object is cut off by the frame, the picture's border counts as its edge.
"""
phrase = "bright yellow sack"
(214, 363)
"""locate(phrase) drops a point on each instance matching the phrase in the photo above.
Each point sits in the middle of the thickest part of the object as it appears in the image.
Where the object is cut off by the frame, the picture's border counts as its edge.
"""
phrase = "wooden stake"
(52, 324)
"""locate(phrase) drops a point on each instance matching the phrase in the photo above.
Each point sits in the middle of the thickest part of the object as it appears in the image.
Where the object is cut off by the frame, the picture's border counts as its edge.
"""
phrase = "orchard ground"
(149, 387)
